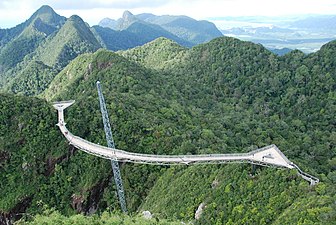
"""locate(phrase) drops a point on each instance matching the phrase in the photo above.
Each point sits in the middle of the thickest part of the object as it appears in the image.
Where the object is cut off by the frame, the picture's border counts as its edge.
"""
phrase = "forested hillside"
(43, 46)
(144, 31)
(23, 39)
(192, 31)
(261, 99)
(35, 51)
(224, 96)
(51, 217)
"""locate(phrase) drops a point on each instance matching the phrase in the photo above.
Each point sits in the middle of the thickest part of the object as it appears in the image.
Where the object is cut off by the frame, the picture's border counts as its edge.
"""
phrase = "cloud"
(14, 11)
(8, 4)
(91, 4)
(5, 3)
(82, 5)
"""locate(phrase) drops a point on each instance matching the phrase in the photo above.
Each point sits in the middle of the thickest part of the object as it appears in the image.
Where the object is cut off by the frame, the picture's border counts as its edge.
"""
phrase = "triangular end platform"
(271, 155)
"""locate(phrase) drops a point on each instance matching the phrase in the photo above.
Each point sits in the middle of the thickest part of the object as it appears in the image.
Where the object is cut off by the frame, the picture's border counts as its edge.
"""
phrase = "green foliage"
(150, 32)
(196, 32)
(73, 39)
(54, 40)
(117, 40)
(28, 140)
(21, 41)
(53, 217)
(310, 210)
(228, 192)
(159, 54)
(250, 97)
(38, 168)
(29, 62)
(16, 50)
(44, 16)
(221, 97)
(33, 79)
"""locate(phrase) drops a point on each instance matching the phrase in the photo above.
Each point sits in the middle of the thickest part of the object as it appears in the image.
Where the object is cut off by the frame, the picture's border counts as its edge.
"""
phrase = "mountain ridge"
(40, 39)
(45, 13)
(224, 96)
(184, 27)
(72, 39)
(27, 35)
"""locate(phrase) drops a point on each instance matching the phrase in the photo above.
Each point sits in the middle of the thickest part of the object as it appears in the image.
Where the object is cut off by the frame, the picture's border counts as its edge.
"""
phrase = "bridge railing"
(306, 176)
(157, 156)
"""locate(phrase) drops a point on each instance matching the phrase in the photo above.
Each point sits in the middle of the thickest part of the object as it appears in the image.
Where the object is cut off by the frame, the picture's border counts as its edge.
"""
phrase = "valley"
(166, 96)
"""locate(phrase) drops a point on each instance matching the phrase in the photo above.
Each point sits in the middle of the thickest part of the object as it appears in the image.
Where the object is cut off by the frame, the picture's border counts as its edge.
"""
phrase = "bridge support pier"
(254, 167)
(110, 144)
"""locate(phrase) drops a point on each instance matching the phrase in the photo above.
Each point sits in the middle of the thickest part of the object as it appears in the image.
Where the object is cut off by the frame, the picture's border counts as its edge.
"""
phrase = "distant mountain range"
(307, 33)
(183, 27)
(316, 23)
(224, 96)
(131, 27)
(44, 44)
(47, 42)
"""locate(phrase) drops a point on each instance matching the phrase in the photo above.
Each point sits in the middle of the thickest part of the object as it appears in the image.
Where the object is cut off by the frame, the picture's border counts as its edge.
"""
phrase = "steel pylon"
(110, 144)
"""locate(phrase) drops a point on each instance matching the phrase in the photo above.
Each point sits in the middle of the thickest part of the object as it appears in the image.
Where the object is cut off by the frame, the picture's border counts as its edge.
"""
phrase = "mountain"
(224, 70)
(136, 29)
(32, 53)
(46, 54)
(127, 19)
(281, 51)
(151, 54)
(122, 23)
(224, 96)
(23, 39)
(305, 33)
(185, 27)
(46, 16)
(136, 35)
(316, 23)
(74, 38)
(182, 27)
(110, 23)
(150, 32)
(117, 40)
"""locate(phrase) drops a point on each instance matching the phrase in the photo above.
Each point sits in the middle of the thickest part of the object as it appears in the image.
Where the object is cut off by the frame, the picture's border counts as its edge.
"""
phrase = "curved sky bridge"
(266, 156)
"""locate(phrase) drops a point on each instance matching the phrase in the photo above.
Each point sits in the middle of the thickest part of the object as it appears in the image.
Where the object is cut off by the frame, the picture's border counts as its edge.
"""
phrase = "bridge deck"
(269, 155)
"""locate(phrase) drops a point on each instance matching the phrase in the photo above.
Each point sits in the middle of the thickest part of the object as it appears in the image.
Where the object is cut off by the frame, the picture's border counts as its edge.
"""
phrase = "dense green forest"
(51, 217)
(47, 58)
(52, 41)
(181, 29)
(224, 96)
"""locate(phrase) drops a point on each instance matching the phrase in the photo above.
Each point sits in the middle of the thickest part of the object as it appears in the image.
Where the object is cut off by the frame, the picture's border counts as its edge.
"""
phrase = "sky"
(13, 12)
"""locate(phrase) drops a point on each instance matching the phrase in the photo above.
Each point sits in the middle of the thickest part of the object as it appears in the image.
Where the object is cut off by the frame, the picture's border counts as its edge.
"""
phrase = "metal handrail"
(125, 156)
(160, 156)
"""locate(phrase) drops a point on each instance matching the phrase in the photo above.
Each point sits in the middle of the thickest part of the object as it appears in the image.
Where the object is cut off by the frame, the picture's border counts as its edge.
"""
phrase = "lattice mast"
(110, 144)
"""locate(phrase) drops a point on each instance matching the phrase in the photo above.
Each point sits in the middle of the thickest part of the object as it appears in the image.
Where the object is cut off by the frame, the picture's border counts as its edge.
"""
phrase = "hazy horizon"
(14, 12)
